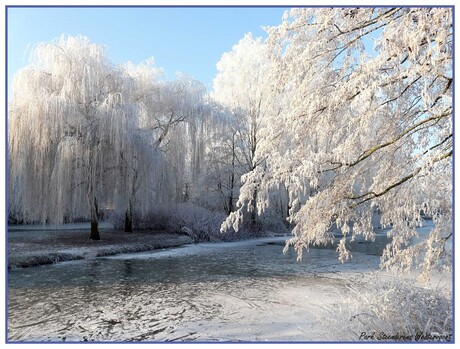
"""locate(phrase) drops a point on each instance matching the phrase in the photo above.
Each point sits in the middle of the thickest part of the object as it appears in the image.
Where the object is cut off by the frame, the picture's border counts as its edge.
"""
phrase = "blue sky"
(190, 40)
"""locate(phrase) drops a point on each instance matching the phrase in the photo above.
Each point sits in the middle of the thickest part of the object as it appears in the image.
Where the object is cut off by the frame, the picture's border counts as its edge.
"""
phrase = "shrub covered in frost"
(395, 310)
(156, 219)
(201, 224)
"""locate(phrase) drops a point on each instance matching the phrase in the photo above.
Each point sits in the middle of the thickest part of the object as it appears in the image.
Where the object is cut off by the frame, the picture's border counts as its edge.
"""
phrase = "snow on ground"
(290, 312)
(194, 249)
(30, 246)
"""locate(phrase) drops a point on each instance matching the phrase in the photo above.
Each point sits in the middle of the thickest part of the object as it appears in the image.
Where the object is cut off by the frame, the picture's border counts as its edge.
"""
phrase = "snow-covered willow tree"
(142, 160)
(85, 135)
(368, 129)
(66, 126)
(176, 125)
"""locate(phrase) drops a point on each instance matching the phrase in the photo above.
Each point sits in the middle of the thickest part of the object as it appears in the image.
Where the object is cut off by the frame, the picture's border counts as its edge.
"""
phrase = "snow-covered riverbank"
(33, 245)
(30, 246)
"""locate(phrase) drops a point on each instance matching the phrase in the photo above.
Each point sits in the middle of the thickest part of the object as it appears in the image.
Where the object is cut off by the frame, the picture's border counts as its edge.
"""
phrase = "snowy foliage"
(86, 136)
(66, 124)
(368, 128)
(244, 84)
(197, 222)
(394, 310)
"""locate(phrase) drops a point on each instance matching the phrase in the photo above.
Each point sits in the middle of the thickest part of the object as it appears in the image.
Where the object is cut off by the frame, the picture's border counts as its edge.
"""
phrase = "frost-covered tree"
(142, 158)
(223, 160)
(183, 145)
(243, 84)
(66, 125)
(85, 135)
(368, 128)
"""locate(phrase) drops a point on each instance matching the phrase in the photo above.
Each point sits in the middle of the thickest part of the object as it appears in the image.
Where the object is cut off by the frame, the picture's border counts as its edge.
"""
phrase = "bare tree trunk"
(254, 211)
(253, 148)
(129, 211)
(232, 177)
(230, 204)
(94, 220)
(129, 218)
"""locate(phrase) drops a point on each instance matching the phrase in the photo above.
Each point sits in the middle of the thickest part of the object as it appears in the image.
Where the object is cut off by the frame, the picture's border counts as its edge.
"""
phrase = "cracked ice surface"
(223, 292)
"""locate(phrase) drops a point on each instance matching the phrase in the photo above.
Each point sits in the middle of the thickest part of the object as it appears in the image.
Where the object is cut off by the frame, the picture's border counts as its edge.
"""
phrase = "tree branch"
(372, 195)
(368, 152)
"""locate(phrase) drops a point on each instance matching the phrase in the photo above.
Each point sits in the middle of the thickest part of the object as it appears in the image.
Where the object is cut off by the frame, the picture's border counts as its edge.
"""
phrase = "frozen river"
(244, 291)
